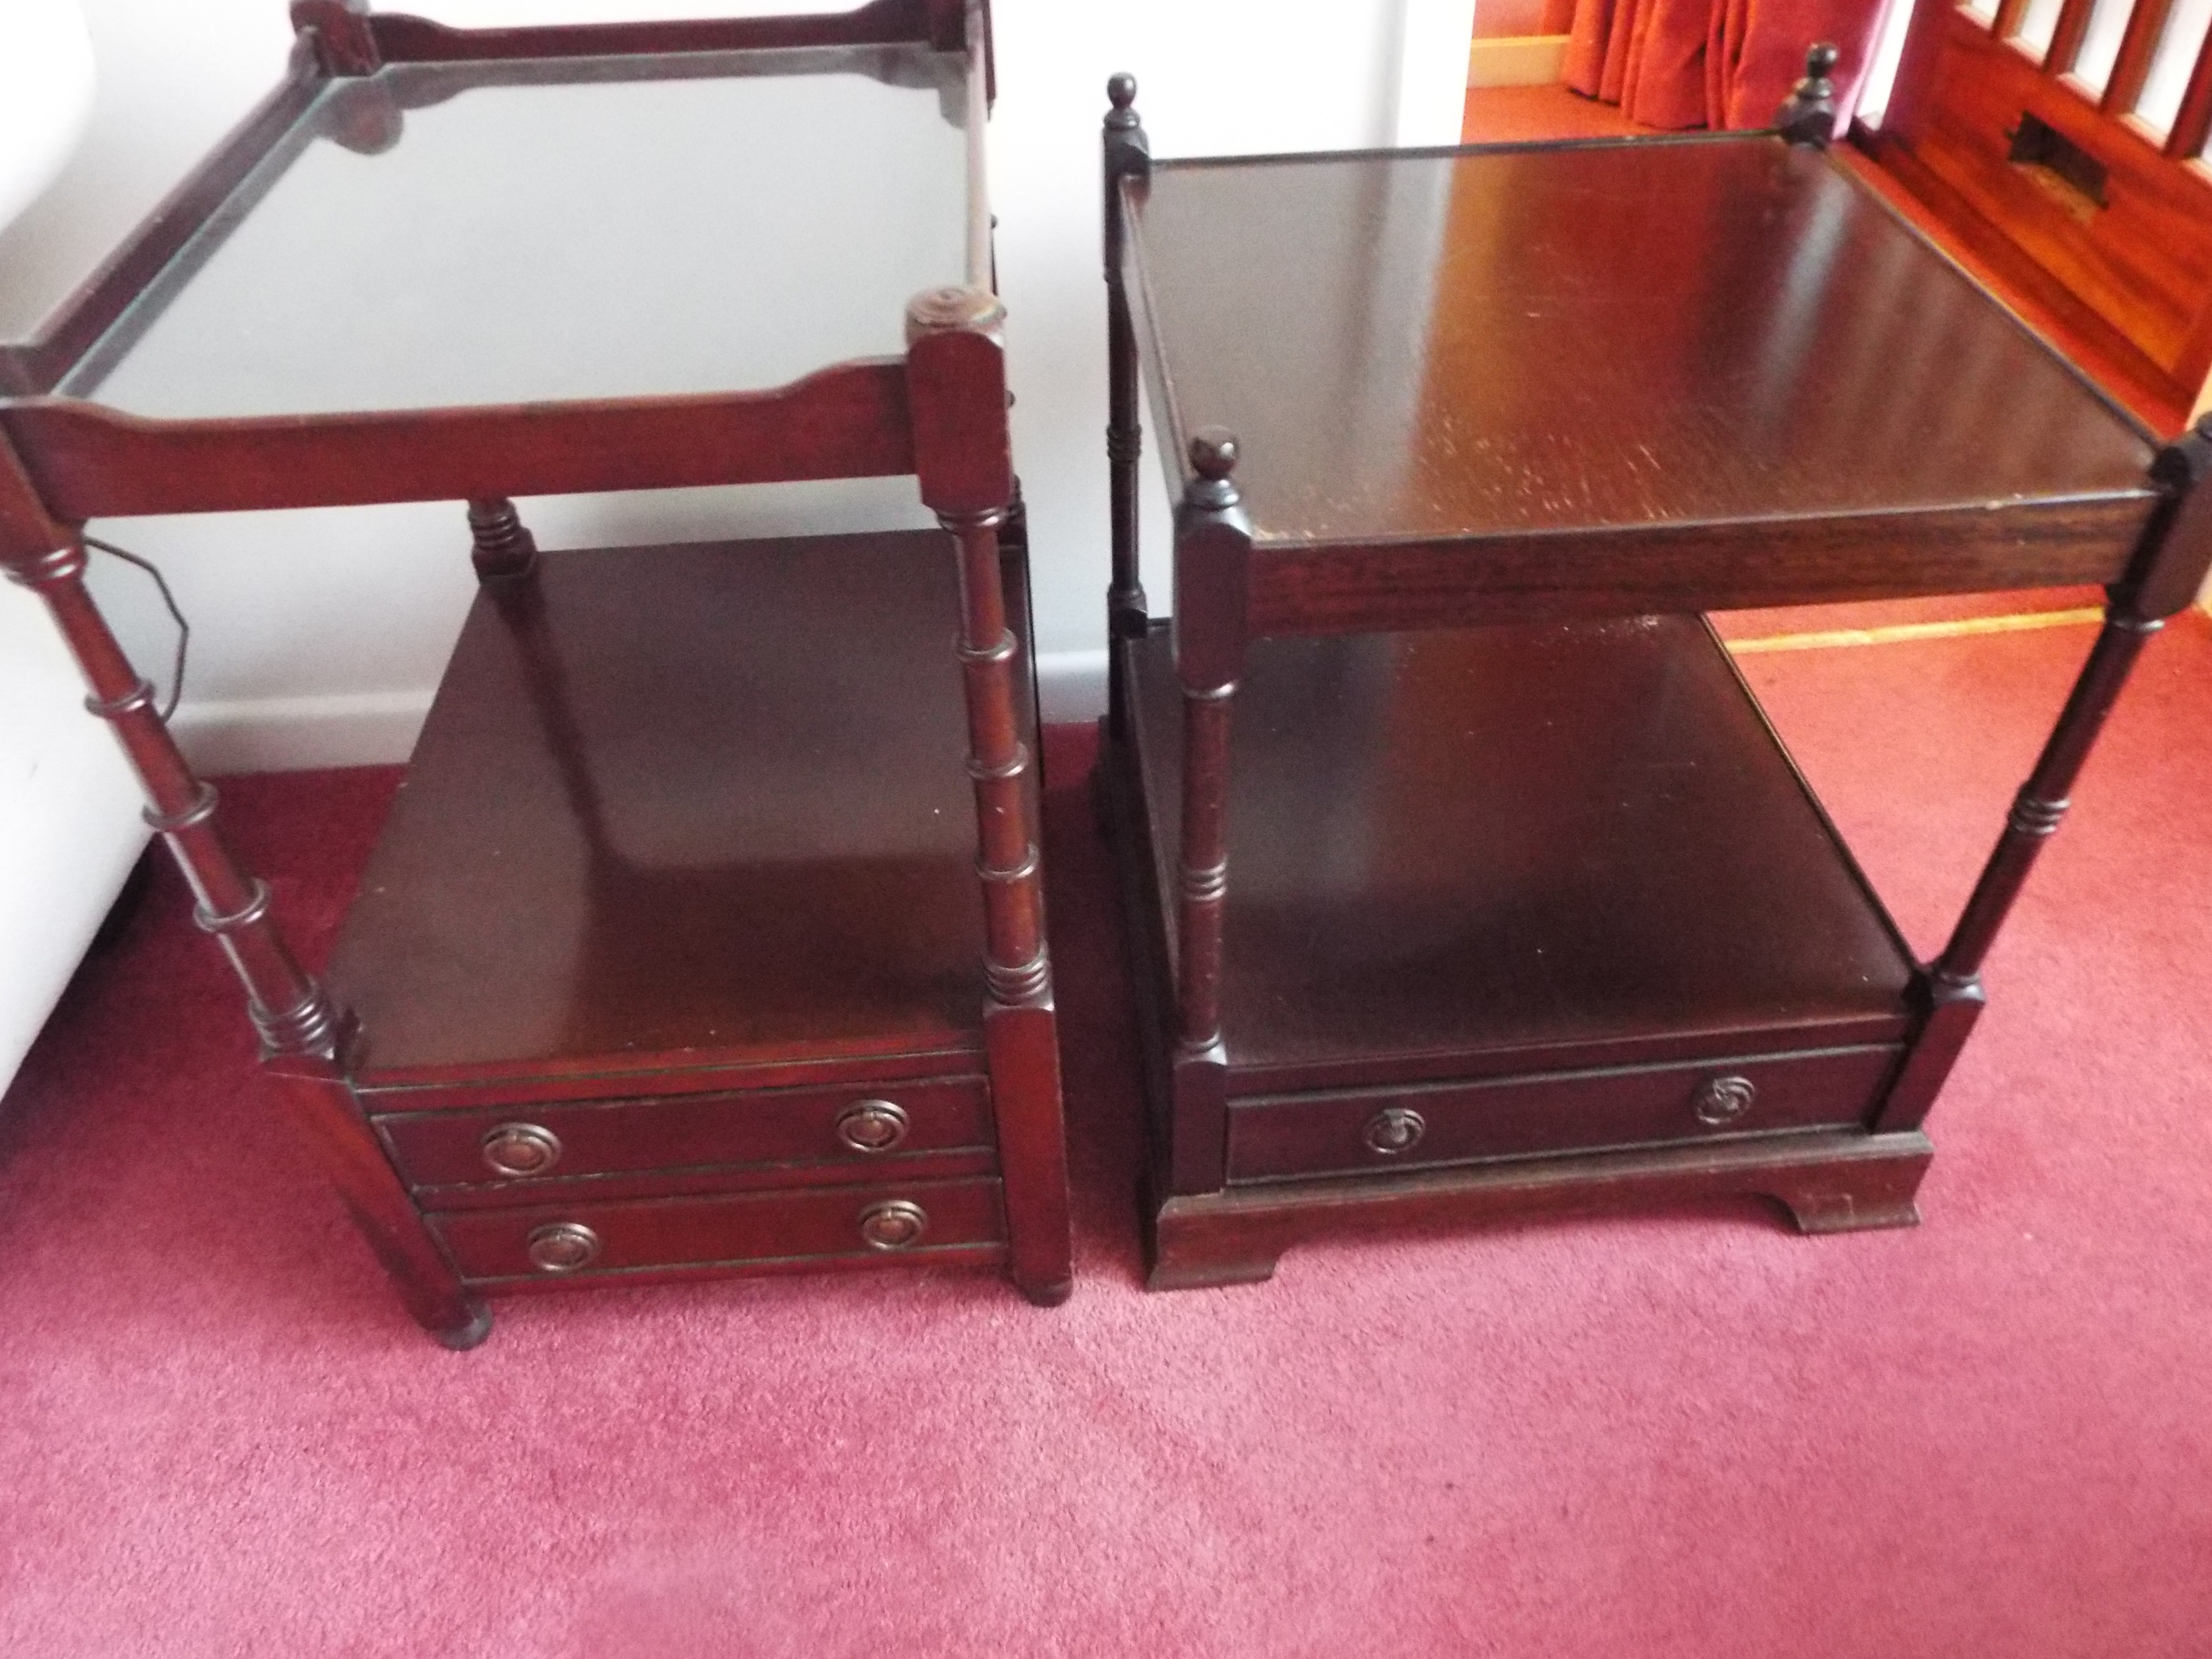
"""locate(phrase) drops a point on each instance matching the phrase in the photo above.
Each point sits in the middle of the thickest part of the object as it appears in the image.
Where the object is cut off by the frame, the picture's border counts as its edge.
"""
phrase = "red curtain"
(1712, 63)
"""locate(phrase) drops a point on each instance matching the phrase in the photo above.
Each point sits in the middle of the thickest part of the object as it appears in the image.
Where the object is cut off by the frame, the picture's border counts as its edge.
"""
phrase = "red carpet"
(1692, 1434)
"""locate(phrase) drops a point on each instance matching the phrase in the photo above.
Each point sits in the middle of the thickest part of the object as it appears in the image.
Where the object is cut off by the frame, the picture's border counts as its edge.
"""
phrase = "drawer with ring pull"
(1360, 1131)
(813, 1227)
(856, 1124)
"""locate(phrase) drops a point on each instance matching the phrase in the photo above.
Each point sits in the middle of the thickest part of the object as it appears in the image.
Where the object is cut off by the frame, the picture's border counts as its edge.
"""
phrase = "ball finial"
(1121, 90)
(1821, 59)
(1213, 452)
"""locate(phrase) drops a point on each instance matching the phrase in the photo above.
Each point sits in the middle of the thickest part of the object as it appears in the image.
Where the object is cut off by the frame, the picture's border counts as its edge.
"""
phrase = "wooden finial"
(1213, 458)
(1121, 94)
(1807, 116)
(942, 310)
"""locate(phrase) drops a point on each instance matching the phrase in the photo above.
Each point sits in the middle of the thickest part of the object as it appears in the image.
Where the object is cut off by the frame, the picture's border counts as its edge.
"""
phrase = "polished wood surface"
(703, 798)
(642, 1240)
(686, 843)
(1827, 1183)
(1548, 340)
(718, 1131)
(1486, 850)
(849, 422)
(1289, 1135)
(1493, 889)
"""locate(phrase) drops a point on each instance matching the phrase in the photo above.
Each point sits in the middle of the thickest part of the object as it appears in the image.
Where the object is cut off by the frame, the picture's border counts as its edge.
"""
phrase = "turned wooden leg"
(300, 1029)
(956, 372)
(1126, 153)
(2165, 574)
(1213, 545)
(501, 545)
(1951, 989)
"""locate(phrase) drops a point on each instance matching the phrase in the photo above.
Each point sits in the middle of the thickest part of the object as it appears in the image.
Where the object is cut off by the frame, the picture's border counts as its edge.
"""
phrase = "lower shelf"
(1536, 916)
(1501, 850)
(682, 802)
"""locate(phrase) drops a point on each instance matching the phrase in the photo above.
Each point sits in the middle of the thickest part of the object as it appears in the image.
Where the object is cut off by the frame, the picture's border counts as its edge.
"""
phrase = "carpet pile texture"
(1688, 1433)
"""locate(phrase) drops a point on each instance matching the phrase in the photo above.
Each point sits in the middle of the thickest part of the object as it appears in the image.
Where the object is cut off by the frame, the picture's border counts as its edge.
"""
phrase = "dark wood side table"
(685, 950)
(1464, 873)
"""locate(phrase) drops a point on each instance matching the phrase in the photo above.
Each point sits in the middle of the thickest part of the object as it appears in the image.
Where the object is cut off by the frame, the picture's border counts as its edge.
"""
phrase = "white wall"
(318, 635)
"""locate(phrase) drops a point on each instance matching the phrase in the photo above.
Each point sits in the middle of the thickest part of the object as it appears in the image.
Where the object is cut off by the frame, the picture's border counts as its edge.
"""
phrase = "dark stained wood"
(2166, 574)
(708, 1181)
(956, 368)
(815, 1227)
(500, 544)
(690, 1132)
(1287, 1135)
(699, 799)
(1537, 913)
(1724, 567)
(404, 39)
(1414, 348)
(1832, 1182)
(681, 878)
(301, 1029)
(849, 422)
(1127, 155)
(1807, 116)
(1496, 851)
(2073, 329)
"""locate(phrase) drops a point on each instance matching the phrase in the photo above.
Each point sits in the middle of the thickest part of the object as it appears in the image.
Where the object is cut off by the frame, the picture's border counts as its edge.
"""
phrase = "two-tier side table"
(1464, 874)
(690, 946)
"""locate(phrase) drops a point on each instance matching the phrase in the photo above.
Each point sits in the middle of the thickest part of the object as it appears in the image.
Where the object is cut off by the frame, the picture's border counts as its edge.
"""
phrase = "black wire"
(184, 628)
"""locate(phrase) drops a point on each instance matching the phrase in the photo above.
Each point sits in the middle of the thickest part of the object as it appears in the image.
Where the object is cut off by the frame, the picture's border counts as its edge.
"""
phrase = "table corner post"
(2168, 567)
(1127, 155)
(956, 388)
(304, 1035)
(1213, 559)
(1807, 116)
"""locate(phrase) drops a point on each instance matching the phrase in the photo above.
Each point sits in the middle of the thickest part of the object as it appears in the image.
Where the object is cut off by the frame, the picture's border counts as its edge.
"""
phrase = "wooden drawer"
(852, 1123)
(819, 1226)
(1375, 1129)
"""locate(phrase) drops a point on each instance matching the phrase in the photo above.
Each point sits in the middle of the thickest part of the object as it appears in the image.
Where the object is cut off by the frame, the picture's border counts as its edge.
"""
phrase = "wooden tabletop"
(1599, 343)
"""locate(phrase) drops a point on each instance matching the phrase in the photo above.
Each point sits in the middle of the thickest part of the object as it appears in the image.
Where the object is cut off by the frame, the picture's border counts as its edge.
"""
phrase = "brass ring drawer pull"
(872, 1126)
(1723, 1099)
(893, 1224)
(562, 1247)
(521, 1149)
(1396, 1129)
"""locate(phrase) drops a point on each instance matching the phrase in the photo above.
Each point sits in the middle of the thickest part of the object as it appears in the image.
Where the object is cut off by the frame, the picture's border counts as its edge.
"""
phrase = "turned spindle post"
(956, 375)
(1127, 155)
(1807, 115)
(2164, 576)
(500, 544)
(302, 1032)
(1212, 554)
